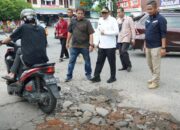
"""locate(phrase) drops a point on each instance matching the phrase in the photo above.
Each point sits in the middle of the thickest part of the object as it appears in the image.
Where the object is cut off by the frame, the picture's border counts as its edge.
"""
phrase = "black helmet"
(28, 15)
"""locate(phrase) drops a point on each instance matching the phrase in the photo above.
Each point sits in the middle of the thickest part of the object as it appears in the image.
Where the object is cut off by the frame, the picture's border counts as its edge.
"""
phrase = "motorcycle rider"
(33, 43)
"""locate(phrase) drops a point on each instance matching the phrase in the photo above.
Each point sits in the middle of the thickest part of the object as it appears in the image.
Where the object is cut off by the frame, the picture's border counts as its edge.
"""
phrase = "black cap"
(61, 15)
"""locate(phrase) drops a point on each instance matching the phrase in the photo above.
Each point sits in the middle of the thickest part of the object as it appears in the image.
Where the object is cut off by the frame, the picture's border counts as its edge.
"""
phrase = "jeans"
(102, 54)
(74, 52)
(124, 56)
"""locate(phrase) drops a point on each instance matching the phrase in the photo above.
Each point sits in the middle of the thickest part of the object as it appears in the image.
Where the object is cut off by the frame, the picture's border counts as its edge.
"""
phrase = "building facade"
(131, 6)
(138, 6)
(169, 4)
(54, 3)
(48, 10)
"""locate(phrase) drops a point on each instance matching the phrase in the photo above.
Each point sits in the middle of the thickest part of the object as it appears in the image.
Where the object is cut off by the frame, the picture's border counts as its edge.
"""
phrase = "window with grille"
(34, 1)
(60, 2)
(42, 2)
(71, 2)
(29, 1)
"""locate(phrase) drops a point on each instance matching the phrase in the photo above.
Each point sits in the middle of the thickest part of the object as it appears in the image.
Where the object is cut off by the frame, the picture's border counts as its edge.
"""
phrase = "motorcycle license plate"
(51, 80)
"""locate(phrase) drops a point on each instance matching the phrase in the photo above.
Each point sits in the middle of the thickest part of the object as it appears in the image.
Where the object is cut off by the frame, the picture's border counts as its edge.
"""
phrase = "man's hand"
(91, 48)
(67, 45)
(5, 41)
(163, 48)
(68, 40)
(163, 52)
(133, 42)
(2, 42)
(144, 48)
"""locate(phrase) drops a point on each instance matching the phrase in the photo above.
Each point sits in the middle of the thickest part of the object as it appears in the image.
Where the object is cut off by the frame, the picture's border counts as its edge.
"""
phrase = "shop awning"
(50, 11)
(171, 7)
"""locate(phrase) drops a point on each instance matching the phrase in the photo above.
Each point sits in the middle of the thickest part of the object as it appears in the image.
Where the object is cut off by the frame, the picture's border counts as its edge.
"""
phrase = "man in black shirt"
(81, 32)
(33, 42)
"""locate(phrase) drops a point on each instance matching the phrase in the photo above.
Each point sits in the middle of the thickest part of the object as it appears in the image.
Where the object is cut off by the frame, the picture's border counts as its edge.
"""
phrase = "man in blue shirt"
(155, 42)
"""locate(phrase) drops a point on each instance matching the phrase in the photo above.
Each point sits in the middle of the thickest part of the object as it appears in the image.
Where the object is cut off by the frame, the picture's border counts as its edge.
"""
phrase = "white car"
(94, 23)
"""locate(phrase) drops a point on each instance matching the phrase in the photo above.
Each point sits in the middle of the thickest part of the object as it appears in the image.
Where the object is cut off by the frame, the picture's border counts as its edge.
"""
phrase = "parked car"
(94, 23)
(173, 31)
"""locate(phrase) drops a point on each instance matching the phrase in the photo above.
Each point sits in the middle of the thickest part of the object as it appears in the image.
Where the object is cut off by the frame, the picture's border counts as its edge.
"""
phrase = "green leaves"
(86, 4)
(103, 3)
(10, 9)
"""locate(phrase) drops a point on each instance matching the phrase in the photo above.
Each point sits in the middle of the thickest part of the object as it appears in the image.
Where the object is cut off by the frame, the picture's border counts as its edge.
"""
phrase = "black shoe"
(8, 78)
(95, 79)
(121, 69)
(66, 57)
(111, 80)
(129, 69)
(61, 60)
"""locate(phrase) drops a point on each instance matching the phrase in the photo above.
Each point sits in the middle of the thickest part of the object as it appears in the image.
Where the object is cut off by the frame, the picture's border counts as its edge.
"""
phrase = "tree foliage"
(102, 3)
(10, 9)
(87, 4)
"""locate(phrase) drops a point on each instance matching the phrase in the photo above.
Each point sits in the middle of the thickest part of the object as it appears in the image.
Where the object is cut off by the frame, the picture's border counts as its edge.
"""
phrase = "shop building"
(170, 4)
(48, 10)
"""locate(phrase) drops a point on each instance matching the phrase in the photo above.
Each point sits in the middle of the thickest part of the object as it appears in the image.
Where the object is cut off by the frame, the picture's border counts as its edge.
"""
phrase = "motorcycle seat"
(42, 65)
(38, 65)
(25, 67)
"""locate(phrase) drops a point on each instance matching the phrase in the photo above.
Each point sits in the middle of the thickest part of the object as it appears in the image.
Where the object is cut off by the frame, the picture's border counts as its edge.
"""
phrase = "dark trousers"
(17, 62)
(124, 56)
(102, 54)
(64, 51)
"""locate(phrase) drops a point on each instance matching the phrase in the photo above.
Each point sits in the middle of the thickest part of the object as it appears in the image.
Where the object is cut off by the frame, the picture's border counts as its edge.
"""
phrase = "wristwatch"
(163, 47)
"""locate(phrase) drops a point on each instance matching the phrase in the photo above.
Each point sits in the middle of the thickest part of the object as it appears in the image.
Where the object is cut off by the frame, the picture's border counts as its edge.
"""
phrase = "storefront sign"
(169, 2)
(129, 4)
(135, 3)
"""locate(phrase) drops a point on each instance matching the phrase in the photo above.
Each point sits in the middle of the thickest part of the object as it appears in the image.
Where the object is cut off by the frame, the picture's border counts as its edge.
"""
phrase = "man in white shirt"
(108, 29)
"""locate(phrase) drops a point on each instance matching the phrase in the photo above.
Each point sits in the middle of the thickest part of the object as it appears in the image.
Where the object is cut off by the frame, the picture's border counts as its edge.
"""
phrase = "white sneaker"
(150, 81)
(153, 85)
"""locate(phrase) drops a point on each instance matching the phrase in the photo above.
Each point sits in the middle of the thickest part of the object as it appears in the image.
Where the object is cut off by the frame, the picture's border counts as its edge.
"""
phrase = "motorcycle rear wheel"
(50, 104)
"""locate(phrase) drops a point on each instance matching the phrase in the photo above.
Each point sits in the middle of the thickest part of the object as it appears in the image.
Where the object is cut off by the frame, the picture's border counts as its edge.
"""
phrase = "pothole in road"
(98, 110)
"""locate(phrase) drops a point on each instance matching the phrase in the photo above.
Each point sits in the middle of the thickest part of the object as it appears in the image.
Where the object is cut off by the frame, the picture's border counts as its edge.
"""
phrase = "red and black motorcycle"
(36, 84)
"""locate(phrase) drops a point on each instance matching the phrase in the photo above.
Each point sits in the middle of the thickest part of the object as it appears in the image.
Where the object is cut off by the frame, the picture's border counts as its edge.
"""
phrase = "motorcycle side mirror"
(0, 42)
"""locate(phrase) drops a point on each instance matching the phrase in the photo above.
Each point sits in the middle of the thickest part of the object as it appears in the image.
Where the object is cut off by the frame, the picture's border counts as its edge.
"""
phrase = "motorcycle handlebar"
(10, 44)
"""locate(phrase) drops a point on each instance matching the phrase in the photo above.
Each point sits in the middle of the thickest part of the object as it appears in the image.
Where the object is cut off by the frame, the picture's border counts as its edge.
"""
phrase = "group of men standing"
(114, 33)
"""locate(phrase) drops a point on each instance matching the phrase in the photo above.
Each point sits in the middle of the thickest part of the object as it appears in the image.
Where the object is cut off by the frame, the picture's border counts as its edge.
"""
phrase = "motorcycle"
(36, 84)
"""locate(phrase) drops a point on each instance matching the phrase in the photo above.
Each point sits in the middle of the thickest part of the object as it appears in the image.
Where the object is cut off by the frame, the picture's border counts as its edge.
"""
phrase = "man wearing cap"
(108, 29)
(61, 32)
